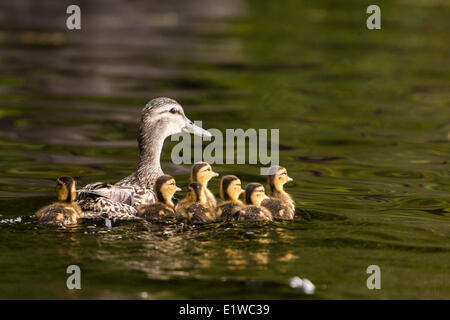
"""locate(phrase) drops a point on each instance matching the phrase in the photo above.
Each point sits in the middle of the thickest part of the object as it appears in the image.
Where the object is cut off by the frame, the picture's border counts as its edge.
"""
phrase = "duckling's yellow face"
(281, 177)
(234, 189)
(204, 174)
(169, 188)
(258, 195)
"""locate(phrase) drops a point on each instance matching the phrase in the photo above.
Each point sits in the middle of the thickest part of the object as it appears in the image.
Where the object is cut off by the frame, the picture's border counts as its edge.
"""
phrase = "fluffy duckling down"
(202, 172)
(65, 211)
(195, 209)
(253, 211)
(280, 203)
(163, 209)
(230, 190)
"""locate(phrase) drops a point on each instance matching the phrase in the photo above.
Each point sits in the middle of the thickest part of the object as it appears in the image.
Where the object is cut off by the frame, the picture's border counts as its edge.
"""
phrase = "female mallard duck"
(165, 188)
(65, 211)
(253, 211)
(195, 209)
(160, 118)
(280, 203)
(230, 189)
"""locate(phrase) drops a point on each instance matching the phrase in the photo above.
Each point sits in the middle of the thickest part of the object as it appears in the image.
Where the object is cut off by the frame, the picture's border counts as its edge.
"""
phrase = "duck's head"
(165, 188)
(277, 178)
(255, 194)
(230, 188)
(66, 189)
(165, 117)
(202, 172)
(196, 193)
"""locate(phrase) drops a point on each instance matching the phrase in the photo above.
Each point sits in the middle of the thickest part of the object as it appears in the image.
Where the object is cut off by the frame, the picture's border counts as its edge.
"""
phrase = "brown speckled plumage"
(156, 212)
(253, 213)
(227, 211)
(276, 207)
(59, 213)
(194, 209)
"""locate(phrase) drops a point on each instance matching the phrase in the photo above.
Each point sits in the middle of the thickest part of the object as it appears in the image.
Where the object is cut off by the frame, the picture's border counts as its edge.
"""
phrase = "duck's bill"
(191, 128)
(178, 189)
(290, 179)
(266, 197)
(215, 174)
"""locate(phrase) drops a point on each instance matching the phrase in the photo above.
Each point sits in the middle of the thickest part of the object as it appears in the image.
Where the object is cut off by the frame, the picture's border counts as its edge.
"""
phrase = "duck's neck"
(169, 203)
(202, 198)
(204, 184)
(237, 201)
(150, 146)
(277, 189)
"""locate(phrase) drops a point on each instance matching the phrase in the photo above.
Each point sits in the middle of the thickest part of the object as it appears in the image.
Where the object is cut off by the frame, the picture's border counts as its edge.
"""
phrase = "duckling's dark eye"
(173, 110)
(208, 169)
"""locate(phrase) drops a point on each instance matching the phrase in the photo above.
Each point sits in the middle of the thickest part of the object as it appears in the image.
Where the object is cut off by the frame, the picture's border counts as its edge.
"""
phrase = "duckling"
(196, 211)
(201, 172)
(253, 211)
(230, 189)
(165, 187)
(65, 211)
(280, 203)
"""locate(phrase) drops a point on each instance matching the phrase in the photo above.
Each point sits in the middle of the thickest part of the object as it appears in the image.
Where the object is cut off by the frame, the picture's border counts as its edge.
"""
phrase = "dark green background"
(364, 131)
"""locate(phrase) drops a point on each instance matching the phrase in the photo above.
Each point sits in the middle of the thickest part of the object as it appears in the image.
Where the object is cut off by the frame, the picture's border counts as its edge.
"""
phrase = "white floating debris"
(308, 287)
(108, 223)
(92, 227)
(303, 285)
(144, 295)
(16, 220)
(166, 232)
(250, 232)
(295, 282)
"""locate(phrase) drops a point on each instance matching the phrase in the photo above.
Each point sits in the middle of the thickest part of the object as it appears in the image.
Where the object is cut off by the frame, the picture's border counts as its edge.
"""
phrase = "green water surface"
(364, 119)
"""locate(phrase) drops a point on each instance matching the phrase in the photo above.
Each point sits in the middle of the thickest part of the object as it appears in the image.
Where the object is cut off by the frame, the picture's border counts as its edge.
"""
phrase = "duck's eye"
(208, 169)
(173, 110)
